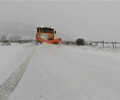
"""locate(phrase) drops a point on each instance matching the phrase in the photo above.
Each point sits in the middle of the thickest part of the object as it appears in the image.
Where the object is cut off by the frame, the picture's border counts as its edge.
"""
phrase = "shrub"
(80, 41)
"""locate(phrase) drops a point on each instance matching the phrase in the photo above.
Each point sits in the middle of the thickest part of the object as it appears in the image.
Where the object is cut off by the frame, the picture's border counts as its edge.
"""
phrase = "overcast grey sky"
(92, 20)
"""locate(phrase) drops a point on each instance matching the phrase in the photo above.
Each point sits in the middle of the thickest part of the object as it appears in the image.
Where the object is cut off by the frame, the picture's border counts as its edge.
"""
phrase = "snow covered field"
(62, 72)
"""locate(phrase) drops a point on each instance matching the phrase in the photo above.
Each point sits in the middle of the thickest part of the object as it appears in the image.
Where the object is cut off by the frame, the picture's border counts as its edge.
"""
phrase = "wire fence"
(104, 44)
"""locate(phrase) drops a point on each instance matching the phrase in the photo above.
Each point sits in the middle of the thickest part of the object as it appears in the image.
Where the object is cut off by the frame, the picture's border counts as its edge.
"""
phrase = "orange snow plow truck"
(47, 35)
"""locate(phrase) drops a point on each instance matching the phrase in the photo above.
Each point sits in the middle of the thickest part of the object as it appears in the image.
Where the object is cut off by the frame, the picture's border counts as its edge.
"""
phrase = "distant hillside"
(23, 30)
(16, 29)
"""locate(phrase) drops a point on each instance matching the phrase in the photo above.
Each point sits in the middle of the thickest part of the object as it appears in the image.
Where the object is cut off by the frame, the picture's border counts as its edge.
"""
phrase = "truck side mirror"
(55, 32)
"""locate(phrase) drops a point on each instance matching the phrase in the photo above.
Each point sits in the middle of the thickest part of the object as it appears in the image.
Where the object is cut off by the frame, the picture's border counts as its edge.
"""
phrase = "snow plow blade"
(55, 41)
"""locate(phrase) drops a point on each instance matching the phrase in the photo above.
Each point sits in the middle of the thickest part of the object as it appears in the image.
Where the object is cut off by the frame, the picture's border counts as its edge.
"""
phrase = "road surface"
(69, 73)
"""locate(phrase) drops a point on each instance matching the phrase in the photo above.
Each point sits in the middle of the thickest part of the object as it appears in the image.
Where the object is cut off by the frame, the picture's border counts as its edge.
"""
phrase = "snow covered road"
(68, 73)
(13, 62)
(10, 84)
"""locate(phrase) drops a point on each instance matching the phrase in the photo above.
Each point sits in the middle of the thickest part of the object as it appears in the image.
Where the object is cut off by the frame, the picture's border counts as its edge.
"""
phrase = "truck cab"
(46, 34)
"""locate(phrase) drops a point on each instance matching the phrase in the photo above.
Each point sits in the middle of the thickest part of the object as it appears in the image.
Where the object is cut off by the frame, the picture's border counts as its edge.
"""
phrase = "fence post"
(103, 43)
(113, 44)
(97, 43)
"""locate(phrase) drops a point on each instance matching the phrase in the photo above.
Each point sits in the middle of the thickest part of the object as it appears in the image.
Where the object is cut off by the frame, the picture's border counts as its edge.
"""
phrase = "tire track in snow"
(9, 85)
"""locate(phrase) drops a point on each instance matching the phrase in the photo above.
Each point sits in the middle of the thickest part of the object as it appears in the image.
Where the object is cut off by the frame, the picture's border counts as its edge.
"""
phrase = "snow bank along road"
(69, 73)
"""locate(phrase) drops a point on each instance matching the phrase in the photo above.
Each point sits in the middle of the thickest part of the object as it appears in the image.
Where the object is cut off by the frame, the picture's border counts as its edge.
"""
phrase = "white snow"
(11, 58)
(64, 73)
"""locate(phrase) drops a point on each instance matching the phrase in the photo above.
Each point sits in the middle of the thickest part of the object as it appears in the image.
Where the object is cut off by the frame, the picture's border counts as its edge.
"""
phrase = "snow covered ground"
(11, 58)
(62, 72)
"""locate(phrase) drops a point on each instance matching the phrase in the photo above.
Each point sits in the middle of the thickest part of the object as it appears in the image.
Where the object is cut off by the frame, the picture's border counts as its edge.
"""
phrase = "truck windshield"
(47, 30)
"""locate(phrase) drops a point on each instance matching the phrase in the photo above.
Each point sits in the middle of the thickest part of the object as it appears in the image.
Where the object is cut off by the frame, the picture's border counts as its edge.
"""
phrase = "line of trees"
(78, 42)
